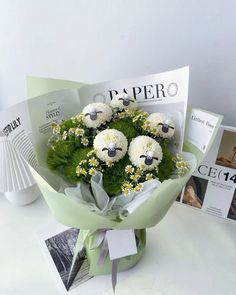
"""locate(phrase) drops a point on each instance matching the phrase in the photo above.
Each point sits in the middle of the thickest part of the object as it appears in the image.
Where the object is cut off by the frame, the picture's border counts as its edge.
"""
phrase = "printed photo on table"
(232, 210)
(178, 199)
(227, 151)
(194, 192)
(61, 249)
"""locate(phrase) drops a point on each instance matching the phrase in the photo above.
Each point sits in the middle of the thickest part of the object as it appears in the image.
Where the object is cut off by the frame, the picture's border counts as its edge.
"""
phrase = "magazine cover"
(212, 187)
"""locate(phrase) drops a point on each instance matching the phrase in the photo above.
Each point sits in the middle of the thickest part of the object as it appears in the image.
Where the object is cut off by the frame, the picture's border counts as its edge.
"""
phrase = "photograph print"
(194, 192)
(232, 210)
(227, 151)
(61, 248)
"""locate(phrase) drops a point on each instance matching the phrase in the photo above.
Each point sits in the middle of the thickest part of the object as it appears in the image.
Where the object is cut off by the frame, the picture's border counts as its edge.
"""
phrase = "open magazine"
(212, 187)
(28, 124)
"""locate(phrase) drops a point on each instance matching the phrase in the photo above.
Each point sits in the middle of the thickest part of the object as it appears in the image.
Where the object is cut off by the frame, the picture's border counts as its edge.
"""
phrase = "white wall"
(92, 41)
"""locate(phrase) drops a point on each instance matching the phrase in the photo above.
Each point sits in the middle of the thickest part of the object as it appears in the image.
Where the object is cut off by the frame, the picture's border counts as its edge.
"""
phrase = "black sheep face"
(165, 127)
(126, 100)
(93, 114)
(112, 149)
(148, 158)
(123, 101)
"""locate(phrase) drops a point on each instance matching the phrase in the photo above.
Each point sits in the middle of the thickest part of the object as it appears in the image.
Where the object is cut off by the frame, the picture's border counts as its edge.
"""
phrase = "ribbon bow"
(101, 240)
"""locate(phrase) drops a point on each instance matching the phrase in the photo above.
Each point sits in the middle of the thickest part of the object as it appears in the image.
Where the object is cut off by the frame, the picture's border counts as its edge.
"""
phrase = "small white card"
(200, 129)
(121, 243)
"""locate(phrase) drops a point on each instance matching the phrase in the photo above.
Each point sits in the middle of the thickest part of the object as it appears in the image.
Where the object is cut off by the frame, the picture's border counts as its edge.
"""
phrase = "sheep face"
(164, 125)
(123, 101)
(110, 145)
(145, 152)
(96, 114)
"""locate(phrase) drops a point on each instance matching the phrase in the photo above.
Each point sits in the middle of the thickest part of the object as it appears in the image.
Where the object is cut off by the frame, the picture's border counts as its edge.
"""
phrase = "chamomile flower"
(142, 167)
(181, 173)
(71, 131)
(91, 153)
(138, 187)
(130, 113)
(92, 171)
(181, 165)
(155, 131)
(64, 135)
(93, 162)
(84, 141)
(139, 171)
(79, 132)
(146, 126)
(79, 117)
(56, 129)
(121, 115)
(109, 163)
(135, 177)
(125, 191)
(80, 171)
(129, 169)
(127, 185)
(149, 176)
(179, 157)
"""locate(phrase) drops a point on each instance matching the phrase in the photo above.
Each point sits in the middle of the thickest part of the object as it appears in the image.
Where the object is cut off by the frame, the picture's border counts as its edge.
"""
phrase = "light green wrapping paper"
(124, 263)
(70, 212)
(38, 86)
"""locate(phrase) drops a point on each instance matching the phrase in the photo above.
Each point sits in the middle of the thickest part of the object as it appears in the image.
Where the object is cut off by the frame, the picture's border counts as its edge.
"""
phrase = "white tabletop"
(189, 252)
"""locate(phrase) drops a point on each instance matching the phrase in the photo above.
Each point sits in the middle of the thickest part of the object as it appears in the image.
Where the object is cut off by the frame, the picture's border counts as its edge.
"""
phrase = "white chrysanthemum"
(145, 152)
(95, 114)
(110, 145)
(164, 125)
(123, 101)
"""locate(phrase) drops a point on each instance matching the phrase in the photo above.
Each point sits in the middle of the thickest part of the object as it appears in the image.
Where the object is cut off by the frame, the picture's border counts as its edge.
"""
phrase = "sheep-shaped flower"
(96, 114)
(162, 123)
(145, 152)
(110, 145)
(123, 101)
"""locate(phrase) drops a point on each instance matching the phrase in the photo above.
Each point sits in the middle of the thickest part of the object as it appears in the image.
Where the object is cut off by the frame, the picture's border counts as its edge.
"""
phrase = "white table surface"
(188, 253)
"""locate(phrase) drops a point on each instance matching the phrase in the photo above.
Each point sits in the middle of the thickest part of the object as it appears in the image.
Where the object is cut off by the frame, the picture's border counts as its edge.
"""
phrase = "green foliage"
(126, 126)
(67, 152)
(114, 176)
(67, 124)
(167, 166)
(70, 169)
(59, 153)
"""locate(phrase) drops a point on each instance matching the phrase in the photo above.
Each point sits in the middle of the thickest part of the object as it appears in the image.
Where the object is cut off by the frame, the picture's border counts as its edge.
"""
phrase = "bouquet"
(114, 168)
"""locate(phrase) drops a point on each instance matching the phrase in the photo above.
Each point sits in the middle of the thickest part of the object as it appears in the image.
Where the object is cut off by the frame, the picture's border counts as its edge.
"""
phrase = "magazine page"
(28, 124)
(165, 92)
(15, 123)
(48, 108)
(212, 188)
